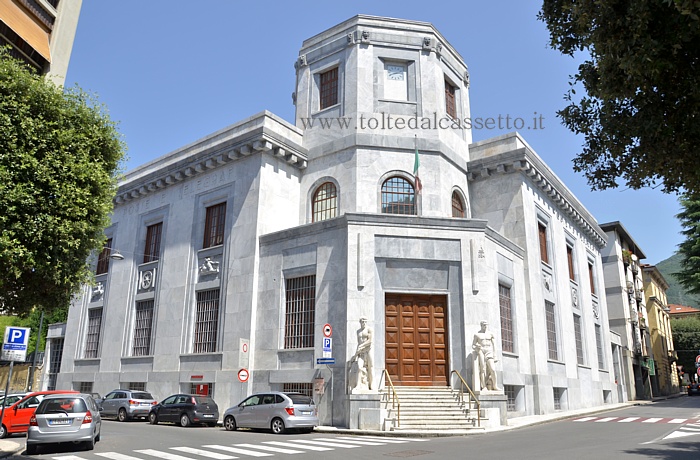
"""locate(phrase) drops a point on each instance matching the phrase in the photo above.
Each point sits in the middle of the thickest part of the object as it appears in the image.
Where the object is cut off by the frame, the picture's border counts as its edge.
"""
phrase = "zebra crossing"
(673, 421)
(250, 450)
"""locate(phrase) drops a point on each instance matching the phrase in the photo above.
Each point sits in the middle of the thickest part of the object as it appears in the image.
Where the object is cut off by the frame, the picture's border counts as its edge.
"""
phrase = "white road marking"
(652, 420)
(329, 443)
(381, 438)
(298, 446)
(376, 439)
(678, 420)
(161, 454)
(271, 449)
(585, 419)
(605, 419)
(628, 419)
(74, 457)
(252, 453)
(204, 453)
(112, 455)
(362, 443)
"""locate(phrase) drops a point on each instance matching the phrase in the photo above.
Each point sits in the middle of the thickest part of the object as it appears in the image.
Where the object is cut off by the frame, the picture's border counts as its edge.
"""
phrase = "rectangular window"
(84, 387)
(542, 233)
(214, 225)
(152, 250)
(551, 331)
(570, 262)
(591, 278)
(300, 308)
(202, 389)
(599, 346)
(450, 103)
(305, 388)
(506, 319)
(328, 88)
(103, 258)
(206, 322)
(558, 398)
(56, 351)
(511, 392)
(143, 324)
(136, 386)
(92, 341)
(579, 340)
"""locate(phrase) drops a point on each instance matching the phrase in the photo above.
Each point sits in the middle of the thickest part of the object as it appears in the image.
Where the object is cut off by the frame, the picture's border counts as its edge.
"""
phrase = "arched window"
(398, 196)
(457, 205)
(325, 202)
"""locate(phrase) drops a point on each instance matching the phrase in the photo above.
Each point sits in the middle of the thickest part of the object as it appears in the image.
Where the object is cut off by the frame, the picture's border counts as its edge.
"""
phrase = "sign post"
(14, 348)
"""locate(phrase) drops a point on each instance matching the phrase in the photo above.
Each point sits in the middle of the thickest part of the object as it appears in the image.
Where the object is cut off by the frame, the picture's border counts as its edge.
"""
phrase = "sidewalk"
(15, 446)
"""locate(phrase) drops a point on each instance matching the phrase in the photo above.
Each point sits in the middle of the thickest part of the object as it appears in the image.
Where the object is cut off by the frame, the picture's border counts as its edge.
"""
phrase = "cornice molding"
(220, 149)
(525, 162)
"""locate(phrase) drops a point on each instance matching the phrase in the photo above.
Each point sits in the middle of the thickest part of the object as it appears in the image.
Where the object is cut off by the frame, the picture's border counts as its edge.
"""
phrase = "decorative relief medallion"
(548, 282)
(596, 313)
(147, 279)
(97, 291)
(574, 296)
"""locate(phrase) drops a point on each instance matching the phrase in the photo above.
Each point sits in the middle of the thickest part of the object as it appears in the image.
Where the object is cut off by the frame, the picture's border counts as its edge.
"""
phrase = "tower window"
(450, 104)
(325, 202)
(328, 88)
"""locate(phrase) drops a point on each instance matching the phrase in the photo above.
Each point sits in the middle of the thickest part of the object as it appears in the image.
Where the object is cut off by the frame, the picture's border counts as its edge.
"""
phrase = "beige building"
(40, 33)
(664, 379)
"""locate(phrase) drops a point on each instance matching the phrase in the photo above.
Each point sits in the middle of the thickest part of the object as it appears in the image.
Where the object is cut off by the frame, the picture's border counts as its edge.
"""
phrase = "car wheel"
(121, 416)
(3, 432)
(90, 445)
(211, 425)
(32, 449)
(98, 437)
(230, 423)
(184, 420)
(153, 418)
(277, 426)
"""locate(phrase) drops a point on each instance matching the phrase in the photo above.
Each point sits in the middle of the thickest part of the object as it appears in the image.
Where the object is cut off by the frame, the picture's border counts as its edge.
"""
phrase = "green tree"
(686, 341)
(59, 158)
(689, 249)
(641, 110)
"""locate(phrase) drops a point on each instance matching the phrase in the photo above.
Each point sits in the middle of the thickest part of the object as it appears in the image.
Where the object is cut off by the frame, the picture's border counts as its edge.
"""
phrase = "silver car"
(273, 410)
(127, 404)
(60, 418)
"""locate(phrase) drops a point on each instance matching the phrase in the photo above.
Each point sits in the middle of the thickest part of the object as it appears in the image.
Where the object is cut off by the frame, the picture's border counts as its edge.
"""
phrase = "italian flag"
(416, 165)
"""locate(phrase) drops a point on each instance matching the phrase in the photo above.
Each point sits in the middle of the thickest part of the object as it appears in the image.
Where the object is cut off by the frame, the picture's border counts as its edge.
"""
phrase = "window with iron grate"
(206, 321)
(300, 309)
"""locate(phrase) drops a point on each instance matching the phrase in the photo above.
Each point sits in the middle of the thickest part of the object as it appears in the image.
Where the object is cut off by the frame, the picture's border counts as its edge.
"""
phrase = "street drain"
(409, 453)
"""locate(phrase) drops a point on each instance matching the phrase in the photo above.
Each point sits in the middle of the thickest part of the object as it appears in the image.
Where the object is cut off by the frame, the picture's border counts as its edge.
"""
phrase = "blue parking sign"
(14, 347)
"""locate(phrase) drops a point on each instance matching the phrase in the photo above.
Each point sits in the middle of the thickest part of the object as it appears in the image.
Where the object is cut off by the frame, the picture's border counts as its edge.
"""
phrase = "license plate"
(60, 421)
(306, 412)
(208, 415)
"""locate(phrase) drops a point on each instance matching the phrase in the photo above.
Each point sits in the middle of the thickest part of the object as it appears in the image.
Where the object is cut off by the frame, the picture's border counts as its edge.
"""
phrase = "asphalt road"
(663, 430)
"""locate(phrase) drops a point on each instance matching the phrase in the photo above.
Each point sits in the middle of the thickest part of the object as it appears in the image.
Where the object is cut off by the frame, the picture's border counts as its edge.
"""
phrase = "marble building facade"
(237, 250)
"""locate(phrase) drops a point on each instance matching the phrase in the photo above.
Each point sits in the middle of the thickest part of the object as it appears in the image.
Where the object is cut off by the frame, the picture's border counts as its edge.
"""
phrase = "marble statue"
(360, 365)
(484, 347)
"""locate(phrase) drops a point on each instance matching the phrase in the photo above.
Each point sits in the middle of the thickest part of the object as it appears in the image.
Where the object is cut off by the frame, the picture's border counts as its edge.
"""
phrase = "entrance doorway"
(416, 339)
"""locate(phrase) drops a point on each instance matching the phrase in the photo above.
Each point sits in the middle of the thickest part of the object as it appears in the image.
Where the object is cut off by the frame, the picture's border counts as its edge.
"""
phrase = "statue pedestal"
(365, 411)
(494, 400)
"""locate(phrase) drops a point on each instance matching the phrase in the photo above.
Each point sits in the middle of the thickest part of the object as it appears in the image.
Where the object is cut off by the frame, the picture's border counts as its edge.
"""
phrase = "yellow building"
(665, 378)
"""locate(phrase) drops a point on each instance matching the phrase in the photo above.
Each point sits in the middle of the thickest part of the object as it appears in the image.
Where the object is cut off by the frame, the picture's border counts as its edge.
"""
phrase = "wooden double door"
(416, 339)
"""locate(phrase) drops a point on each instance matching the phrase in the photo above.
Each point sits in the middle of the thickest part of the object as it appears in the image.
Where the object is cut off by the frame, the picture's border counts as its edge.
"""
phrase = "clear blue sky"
(173, 71)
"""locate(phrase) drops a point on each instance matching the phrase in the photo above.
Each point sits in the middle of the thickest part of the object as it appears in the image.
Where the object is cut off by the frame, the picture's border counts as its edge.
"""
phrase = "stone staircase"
(430, 409)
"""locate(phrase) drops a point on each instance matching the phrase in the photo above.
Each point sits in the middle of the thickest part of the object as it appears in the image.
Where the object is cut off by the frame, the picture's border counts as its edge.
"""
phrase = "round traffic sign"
(243, 375)
(327, 330)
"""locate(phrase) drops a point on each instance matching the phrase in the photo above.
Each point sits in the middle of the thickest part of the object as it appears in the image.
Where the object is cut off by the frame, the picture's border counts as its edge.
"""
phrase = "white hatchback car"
(64, 418)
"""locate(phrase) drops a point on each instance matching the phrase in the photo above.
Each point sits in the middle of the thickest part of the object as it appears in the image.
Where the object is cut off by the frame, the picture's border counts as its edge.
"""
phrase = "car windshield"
(204, 400)
(61, 405)
(298, 398)
(141, 395)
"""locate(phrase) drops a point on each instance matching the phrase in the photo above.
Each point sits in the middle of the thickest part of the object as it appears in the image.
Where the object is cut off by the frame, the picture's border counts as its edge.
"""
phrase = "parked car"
(185, 409)
(16, 418)
(693, 389)
(126, 404)
(64, 418)
(274, 410)
(11, 398)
